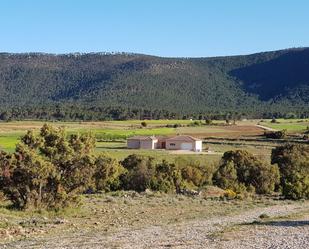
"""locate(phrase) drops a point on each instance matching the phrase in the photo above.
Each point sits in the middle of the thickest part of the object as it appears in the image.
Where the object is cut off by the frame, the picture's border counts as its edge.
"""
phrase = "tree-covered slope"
(280, 77)
(252, 84)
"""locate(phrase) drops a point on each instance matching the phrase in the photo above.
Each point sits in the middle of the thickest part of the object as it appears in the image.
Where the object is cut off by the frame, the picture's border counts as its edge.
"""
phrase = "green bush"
(143, 124)
(293, 162)
(140, 171)
(275, 134)
(195, 124)
(48, 170)
(226, 176)
(143, 173)
(240, 170)
(193, 174)
(107, 173)
(167, 178)
(208, 121)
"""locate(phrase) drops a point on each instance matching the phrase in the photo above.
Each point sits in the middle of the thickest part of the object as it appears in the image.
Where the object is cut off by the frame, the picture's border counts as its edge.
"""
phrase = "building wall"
(198, 146)
(160, 145)
(176, 145)
(154, 143)
(148, 144)
(133, 144)
(173, 145)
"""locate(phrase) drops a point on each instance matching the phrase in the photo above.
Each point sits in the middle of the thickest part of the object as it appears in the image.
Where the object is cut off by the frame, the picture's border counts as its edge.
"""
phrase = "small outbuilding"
(184, 143)
(142, 142)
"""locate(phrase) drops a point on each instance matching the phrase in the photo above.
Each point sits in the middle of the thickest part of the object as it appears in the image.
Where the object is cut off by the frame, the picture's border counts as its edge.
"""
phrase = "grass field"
(291, 125)
(9, 140)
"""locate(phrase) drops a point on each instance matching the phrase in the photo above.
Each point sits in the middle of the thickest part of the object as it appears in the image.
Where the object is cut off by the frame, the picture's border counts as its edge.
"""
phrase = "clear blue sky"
(159, 27)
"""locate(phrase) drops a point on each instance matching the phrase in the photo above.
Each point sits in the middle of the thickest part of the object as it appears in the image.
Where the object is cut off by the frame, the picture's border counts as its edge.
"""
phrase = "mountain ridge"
(273, 82)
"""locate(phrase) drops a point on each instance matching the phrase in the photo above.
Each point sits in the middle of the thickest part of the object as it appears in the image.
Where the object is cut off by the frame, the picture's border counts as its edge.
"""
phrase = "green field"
(291, 125)
(110, 134)
(8, 141)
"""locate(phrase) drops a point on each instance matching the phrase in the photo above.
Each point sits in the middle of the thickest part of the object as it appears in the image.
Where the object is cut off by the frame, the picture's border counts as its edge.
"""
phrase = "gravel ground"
(202, 233)
(280, 234)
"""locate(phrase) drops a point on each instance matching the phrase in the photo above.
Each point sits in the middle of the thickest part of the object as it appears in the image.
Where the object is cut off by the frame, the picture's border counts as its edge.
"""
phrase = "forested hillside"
(120, 86)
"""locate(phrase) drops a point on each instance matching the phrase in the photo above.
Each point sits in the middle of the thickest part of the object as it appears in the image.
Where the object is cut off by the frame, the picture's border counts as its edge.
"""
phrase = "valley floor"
(149, 221)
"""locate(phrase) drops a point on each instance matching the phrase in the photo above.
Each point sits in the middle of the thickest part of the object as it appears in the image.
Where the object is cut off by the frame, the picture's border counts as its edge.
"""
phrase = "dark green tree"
(140, 171)
(107, 173)
(48, 170)
(239, 169)
(293, 162)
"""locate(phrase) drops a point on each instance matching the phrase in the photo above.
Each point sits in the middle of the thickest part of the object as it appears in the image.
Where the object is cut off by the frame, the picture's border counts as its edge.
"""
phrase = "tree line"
(66, 112)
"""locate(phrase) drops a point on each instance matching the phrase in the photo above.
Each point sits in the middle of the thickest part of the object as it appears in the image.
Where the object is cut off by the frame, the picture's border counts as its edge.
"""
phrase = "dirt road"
(216, 232)
(265, 128)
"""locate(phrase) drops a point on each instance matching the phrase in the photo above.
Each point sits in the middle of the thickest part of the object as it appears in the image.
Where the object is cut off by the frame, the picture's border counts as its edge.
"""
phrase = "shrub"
(240, 170)
(139, 173)
(230, 194)
(167, 178)
(195, 123)
(48, 170)
(5, 171)
(226, 176)
(275, 134)
(293, 162)
(208, 121)
(29, 182)
(193, 174)
(107, 173)
(142, 173)
(174, 125)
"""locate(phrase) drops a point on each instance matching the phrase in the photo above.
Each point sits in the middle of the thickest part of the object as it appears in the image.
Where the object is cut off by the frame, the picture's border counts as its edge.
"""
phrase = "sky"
(170, 28)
